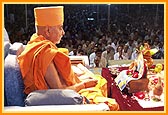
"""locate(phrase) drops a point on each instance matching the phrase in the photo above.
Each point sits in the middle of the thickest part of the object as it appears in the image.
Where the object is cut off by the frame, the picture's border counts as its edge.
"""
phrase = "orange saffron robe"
(36, 57)
(38, 54)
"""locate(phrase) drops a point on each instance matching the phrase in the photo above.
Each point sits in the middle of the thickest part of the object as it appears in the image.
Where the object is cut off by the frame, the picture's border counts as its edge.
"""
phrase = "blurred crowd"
(88, 33)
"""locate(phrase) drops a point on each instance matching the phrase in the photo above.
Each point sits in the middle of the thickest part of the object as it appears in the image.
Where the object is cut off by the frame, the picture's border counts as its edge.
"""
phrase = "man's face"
(108, 49)
(56, 33)
(119, 49)
(98, 54)
(95, 48)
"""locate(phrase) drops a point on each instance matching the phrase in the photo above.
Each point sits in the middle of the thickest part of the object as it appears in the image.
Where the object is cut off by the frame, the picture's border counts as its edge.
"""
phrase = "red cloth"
(125, 102)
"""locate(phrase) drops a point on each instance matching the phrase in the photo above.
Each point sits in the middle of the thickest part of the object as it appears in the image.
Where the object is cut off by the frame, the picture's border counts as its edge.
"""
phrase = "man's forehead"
(60, 25)
(57, 26)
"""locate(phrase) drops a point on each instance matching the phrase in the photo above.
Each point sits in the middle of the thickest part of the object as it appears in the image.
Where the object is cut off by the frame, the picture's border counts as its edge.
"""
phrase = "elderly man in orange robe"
(44, 66)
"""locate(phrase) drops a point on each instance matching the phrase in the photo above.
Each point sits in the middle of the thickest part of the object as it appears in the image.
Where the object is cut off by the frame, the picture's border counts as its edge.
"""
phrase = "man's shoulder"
(104, 52)
(92, 54)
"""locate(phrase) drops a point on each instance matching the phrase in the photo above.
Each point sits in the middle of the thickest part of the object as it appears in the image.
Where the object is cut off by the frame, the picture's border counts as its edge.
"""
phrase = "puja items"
(147, 54)
(156, 85)
(158, 68)
(158, 89)
(134, 79)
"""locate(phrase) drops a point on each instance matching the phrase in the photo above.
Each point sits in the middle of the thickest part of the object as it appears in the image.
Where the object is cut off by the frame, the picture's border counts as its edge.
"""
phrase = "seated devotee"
(73, 52)
(134, 54)
(44, 66)
(126, 52)
(119, 54)
(99, 60)
(92, 57)
(108, 54)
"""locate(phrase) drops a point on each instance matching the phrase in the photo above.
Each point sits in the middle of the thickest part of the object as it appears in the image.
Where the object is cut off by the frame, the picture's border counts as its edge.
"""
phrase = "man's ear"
(47, 32)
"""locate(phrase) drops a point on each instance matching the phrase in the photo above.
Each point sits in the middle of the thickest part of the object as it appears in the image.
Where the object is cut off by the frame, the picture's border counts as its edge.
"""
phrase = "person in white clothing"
(118, 55)
(99, 60)
(126, 52)
(134, 54)
(92, 57)
(73, 52)
(114, 45)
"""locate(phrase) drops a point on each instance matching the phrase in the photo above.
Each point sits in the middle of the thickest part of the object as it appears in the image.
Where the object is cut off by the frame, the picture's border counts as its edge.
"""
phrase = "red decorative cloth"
(126, 102)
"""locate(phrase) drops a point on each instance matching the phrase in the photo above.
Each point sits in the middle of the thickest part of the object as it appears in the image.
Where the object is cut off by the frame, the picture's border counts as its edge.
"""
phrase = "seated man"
(45, 66)
(99, 60)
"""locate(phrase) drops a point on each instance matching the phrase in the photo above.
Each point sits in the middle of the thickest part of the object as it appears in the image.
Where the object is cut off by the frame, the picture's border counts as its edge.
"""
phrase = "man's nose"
(63, 32)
